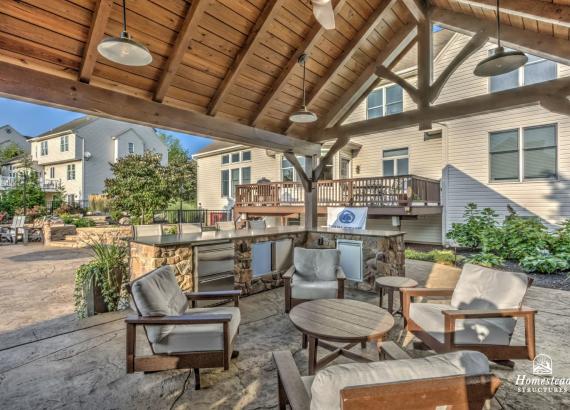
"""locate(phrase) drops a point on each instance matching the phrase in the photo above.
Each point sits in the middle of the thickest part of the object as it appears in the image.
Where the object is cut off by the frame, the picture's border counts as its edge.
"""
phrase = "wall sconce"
(358, 169)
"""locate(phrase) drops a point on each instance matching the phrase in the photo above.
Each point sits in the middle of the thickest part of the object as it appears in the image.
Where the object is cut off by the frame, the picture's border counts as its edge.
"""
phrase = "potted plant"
(99, 283)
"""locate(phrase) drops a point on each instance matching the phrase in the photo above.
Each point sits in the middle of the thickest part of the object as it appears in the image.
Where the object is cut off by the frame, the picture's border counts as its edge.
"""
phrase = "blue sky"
(32, 119)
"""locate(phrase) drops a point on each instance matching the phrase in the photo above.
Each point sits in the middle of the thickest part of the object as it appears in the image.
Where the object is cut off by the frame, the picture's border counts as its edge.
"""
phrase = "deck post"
(311, 195)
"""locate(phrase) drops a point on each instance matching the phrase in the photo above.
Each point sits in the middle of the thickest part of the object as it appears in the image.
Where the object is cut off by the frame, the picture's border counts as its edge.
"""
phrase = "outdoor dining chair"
(257, 224)
(459, 380)
(225, 226)
(140, 231)
(14, 231)
(481, 316)
(184, 228)
(180, 338)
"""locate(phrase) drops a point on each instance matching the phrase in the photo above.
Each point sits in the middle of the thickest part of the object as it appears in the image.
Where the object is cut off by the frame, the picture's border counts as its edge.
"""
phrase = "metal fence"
(93, 206)
(207, 217)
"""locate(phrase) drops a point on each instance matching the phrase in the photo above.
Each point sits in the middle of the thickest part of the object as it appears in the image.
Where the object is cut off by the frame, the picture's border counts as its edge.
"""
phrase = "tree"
(140, 185)
(10, 151)
(26, 192)
(182, 168)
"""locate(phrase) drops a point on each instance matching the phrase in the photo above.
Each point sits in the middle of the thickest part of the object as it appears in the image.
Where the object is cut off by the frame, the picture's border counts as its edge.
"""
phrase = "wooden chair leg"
(131, 346)
(197, 379)
(313, 343)
(529, 336)
(390, 302)
(304, 341)
(281, 394)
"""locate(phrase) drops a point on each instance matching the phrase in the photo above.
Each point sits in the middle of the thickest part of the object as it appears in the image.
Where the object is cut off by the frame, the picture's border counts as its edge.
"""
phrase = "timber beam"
(101, 14)
(48, 89)
(483, 104)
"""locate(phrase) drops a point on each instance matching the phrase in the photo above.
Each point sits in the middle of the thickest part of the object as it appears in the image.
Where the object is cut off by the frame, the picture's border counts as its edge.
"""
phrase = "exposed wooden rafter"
(101, 15)
(425, 66)
(31, 85)
(389, 56)
(253, 40)
(546, 12)
(474, 44)
(189, 28)
(417, 8)
(483, 104)
(541, 45)
(556, 104)
(389, 75)
(310, 41)
(349, 51)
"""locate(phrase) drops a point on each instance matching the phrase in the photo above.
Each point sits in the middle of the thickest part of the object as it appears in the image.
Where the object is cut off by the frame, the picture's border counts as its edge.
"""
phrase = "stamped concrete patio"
(48, 359)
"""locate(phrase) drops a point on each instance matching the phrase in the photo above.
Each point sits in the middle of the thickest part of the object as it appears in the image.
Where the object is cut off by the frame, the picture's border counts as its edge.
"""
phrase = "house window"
(539, 152)
(288, 173)
(43, 148)
(385, 101)
(536, 70)
(52, 172)
(225, 159)
(234, 177)
(70, 199)
(71, 172)
(328, 170)
(395, 162)
(235, 157)
(530, 152)
(131, 147)
(64, 143)
(344, 168)
(246, 156)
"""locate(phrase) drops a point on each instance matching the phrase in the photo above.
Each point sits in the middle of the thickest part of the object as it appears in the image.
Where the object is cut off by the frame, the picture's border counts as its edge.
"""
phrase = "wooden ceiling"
(229, 59)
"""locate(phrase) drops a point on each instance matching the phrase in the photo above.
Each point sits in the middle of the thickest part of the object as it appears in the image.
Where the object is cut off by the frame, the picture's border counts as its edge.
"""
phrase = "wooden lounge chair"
(180, 338)
(460, 380)
(15, 231)
(189, 228)
(303, 283)
(140, 231)
(481, 316)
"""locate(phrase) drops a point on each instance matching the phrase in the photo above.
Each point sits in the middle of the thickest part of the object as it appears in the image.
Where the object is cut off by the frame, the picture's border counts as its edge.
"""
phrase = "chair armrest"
(289, 272)
(483, 314)
(340, 273)
(290, 381)
(200, 319)
(426, 292)
(214, 295)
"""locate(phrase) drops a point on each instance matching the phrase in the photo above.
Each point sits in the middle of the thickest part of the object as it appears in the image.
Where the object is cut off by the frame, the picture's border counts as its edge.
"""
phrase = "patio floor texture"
(48, 359)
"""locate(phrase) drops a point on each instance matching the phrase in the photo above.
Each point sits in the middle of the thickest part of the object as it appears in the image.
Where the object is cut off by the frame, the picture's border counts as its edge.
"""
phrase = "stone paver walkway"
(50, 360)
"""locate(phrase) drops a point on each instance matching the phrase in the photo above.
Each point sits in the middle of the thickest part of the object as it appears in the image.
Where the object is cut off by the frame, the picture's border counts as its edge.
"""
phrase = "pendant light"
(501, 61)
(303, 115)
(123, 49)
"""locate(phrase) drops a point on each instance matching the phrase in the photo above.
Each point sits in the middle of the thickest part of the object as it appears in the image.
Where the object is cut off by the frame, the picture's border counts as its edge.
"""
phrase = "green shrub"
(444, 257)
(78, 221)
(477, 225)
(488, 260)
(524, 237)
(544, 262)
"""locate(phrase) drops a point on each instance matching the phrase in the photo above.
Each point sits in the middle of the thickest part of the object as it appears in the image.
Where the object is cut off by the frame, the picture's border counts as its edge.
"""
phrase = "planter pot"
(94, 299)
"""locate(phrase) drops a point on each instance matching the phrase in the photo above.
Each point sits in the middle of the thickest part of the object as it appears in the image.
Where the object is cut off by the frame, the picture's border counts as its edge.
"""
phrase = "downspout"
(82, 167)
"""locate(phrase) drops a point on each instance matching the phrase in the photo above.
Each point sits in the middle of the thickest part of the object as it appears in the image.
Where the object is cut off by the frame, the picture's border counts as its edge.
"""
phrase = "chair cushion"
(158, 294)
(147, 230)
(316, 264)
(312, 289)
(326, 387)
(483, 288)
(199, 338)
(308, 382)
(189, 228)
(470, 331)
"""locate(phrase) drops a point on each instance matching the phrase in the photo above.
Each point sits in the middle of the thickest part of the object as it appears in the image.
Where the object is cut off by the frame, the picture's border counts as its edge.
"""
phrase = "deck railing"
(379, 192)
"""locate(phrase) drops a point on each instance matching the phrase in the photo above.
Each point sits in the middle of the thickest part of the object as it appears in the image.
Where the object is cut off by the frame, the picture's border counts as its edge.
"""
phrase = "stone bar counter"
(384, 248)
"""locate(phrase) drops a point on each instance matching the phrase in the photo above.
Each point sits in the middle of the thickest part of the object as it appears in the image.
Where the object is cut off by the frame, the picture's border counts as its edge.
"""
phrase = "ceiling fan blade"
(324, 13)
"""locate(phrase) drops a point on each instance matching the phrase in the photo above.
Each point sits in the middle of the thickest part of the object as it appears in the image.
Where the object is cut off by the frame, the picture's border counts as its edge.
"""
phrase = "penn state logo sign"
(346, 217)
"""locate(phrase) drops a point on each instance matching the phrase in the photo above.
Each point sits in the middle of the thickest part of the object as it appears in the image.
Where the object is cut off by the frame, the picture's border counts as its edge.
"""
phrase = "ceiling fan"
(324, 13)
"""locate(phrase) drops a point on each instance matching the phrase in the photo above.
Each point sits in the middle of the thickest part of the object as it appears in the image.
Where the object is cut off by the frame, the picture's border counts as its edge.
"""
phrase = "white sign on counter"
(352, 218)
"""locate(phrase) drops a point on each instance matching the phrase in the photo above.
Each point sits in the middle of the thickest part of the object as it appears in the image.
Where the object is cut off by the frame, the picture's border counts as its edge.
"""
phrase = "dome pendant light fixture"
(501, 61)
(123, 49)
(303, 115)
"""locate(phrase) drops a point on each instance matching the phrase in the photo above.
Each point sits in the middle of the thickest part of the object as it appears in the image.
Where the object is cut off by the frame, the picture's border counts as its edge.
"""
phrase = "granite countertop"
(209, 237)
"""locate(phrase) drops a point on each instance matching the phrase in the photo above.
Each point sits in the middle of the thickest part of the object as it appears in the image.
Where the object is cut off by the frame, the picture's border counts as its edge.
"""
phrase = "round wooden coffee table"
(339, 320)
(393, 284)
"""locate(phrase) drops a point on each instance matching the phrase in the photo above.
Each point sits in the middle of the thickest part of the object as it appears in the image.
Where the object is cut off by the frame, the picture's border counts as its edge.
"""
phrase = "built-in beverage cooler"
(351, 258)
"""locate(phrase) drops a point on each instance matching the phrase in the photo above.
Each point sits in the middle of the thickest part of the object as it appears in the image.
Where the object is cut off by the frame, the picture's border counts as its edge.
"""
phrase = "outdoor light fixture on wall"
(303, 115)
(123, 49)
(501, 61)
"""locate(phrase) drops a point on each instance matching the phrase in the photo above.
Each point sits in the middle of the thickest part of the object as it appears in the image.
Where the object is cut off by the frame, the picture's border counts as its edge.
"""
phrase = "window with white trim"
(536, 70)
(395, 162)
(64, 143)
(52, 172)
(230, 178)
(288, 173)
(385, 101)
(131, 147)
(71, 172)
(43, 148)
(523, 154)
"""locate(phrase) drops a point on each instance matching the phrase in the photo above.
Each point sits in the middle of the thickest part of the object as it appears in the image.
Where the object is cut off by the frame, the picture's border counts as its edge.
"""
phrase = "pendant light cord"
(124, 15)
(304, 73)
(498, 25)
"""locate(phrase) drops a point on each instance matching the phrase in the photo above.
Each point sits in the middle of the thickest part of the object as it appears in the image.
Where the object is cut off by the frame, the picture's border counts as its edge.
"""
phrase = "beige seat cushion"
(147, 230)
(327, 384)
(471, 331)
(185, 228)
(316, 264)
(199, 338)
(158, 294)
(312, 289)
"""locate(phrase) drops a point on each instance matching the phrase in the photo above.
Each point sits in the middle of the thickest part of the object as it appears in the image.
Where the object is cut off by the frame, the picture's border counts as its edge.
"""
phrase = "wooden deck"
(407, 195)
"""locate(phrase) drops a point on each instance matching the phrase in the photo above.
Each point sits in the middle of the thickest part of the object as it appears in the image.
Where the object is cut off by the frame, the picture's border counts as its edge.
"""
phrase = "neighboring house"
(78, 154)
(9, 136)
(518, 158)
